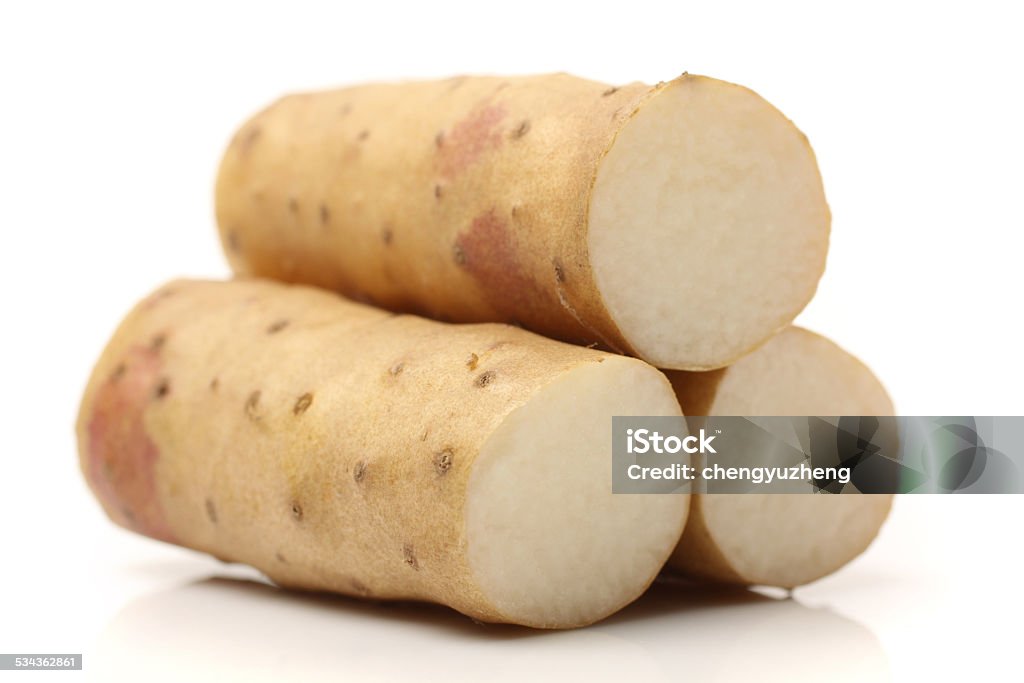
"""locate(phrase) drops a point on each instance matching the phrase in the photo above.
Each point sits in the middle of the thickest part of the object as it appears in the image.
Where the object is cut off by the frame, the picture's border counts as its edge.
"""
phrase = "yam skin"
(575, 209)
(784, 540)
(339, 447)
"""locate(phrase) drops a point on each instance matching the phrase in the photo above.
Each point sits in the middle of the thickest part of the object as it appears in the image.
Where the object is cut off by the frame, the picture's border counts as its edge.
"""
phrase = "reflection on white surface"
(236, 630)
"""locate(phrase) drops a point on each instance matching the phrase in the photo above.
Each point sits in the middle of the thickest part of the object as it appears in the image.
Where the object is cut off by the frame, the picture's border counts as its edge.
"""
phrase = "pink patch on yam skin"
(121, 456)
(489, 254)
(470, 138)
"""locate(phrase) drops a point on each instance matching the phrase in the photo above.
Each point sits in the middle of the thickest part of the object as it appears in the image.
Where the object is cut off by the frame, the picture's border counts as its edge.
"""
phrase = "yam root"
(683, 223)
(338, 447)
(782, 540)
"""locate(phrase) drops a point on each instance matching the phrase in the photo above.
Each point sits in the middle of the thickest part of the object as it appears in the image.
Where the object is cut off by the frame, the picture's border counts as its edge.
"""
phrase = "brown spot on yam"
(233, 242)
(396, 369)
(470, 138)
(296, 510)
(363, 135)
(443, 461)
(252, 405)
(325, 214)
(609, 91)
(439, 138)
(214, 384)
(280, 557)
(163, 388)
(359, 471)
(472, 361)
(409, 557)
(387, 235)
(302, 403)
(458, 255)
(437, 192)
(118, 373)
(277, 326)
(425, 434)
(211, 511)
(293, 205)
(345, 110)
(484, 378)
(522, 129)
(120, 455)
(158, 341)
(359, 587)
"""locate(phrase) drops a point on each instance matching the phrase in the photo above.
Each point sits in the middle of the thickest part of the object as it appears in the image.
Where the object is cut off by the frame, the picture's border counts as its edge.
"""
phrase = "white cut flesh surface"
(548, 543)
(708, 225)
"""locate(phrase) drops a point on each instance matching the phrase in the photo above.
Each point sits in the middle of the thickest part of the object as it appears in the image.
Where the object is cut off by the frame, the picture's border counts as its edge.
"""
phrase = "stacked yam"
(567, 238)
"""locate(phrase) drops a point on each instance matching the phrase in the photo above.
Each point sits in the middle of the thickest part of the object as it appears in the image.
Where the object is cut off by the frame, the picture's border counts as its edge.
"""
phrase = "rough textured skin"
(796, 373)
(327, 443)
(463, 200)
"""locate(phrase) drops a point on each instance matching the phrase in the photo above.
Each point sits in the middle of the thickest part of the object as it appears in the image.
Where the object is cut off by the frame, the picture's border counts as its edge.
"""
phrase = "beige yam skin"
(797, 372)
(327, 443)
(486, 220)
(463, 200)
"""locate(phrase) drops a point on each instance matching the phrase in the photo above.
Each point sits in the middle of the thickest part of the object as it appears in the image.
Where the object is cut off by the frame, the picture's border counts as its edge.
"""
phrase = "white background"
(112, 119)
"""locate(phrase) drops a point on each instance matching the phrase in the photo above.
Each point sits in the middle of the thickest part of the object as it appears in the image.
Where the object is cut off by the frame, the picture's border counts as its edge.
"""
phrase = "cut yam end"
(789, 540)
(548, 543)
(708, 226)
(782, 540)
